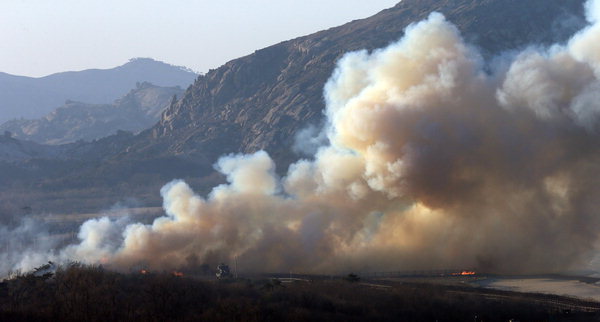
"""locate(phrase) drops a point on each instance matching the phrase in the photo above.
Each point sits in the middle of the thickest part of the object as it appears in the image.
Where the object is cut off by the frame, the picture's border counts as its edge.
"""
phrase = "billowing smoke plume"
(434, 160)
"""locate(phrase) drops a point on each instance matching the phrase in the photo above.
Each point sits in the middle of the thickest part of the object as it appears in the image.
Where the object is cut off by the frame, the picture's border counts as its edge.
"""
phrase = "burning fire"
(143, 271)
(177, 274)
(464, 273)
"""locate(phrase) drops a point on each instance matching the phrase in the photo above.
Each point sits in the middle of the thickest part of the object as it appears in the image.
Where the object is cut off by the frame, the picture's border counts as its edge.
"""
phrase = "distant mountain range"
(30, 98)
(138, 110)
(261, 101)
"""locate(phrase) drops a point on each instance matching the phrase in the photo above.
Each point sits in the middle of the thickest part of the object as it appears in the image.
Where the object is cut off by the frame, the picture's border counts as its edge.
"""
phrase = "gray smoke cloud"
(432, 162)
(309, 139)
(24, 246)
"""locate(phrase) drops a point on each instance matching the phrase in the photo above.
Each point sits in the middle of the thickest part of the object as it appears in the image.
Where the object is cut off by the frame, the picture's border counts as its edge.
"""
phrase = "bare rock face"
(136, 111)
(262, 100)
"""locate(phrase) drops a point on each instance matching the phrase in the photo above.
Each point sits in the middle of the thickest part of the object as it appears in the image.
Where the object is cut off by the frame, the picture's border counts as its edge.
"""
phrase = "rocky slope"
(27, 97)
(138, 110)
(261, 101)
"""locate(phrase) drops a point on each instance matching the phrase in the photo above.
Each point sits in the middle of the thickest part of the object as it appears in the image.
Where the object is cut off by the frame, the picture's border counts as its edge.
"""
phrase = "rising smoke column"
(433, 162)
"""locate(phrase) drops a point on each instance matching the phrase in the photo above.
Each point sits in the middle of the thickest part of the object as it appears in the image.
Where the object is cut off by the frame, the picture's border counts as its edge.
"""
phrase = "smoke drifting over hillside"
(435, 160)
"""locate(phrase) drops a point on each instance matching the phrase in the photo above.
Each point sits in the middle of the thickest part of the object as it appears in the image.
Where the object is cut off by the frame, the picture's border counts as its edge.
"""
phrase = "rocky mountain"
(27, 97)
(138, 110)
(263, 100)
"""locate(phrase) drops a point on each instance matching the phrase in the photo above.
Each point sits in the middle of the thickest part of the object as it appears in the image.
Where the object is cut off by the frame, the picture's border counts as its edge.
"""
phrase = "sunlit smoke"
(432, 162)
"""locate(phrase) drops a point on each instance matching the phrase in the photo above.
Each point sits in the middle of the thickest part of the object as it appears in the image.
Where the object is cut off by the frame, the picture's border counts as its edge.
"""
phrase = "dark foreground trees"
(90, 293)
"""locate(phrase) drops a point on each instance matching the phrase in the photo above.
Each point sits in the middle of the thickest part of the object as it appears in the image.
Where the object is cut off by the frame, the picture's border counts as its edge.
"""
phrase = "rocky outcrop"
(138, 110)
(262, 100)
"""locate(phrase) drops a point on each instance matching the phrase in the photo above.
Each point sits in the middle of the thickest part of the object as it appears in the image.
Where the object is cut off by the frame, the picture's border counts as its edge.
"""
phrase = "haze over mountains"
(31, 98)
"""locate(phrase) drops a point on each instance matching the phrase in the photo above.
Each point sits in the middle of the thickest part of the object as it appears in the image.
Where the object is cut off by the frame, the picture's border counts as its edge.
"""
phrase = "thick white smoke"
(432, 163)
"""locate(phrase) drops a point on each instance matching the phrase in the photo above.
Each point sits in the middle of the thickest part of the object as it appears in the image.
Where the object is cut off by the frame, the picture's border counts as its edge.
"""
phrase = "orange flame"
(464, 273)
(177, 274)
(143, 271)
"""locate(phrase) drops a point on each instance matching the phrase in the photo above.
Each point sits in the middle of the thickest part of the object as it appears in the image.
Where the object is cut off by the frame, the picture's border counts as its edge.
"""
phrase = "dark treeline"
(90, 293)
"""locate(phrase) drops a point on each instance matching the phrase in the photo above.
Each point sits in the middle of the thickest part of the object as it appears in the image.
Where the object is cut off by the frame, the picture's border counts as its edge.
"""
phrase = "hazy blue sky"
(40, 37)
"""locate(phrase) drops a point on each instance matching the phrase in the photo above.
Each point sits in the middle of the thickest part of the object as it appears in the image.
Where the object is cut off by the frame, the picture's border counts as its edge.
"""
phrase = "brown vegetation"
(91, 293)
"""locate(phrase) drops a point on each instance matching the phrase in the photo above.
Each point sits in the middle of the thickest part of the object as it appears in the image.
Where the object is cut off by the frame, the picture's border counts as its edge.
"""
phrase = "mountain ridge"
(135, 111)
(29, 97)
(262, 100)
